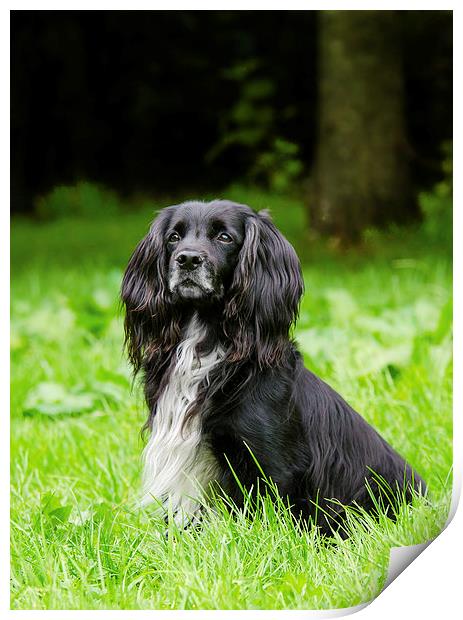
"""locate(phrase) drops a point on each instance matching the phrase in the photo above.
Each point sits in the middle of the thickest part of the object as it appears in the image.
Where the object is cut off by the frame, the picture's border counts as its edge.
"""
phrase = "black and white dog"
(210, 295)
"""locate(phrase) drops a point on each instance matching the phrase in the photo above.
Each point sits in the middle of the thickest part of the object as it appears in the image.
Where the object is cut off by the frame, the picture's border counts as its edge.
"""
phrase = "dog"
(210, 296)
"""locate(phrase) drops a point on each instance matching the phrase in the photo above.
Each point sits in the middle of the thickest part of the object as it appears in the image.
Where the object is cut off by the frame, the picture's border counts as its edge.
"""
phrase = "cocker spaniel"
(210, 295)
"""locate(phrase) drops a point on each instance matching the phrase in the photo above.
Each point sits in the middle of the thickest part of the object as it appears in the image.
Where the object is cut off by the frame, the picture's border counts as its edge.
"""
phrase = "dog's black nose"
(189, 260)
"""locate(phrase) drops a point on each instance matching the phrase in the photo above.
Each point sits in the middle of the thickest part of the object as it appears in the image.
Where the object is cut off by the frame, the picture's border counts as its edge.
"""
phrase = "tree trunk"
(361, 175)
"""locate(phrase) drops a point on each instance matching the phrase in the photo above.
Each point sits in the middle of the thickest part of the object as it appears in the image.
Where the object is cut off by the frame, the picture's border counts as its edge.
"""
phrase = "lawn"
(375, 323)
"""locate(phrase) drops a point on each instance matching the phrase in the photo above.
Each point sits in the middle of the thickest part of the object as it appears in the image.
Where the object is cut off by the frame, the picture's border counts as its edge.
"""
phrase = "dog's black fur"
(233, 267)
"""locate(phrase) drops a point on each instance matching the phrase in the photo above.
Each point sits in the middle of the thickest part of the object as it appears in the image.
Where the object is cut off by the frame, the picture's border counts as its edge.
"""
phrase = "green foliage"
(436, 205)
(250, 120)
(53, 510)
(279, 167)
(251, 123)
(377, 327)
(53, 399)
(86, 199)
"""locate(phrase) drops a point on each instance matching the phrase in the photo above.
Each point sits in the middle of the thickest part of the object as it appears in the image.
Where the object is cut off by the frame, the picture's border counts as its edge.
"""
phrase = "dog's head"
(202, 244)
(219, 254)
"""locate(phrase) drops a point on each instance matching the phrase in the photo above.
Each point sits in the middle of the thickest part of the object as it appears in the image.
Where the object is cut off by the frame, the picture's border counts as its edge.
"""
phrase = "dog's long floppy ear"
(148, 324)
(265, 294)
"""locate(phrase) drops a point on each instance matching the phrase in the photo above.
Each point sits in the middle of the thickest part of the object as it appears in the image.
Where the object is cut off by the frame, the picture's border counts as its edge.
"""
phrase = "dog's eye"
(224, 237)
(173, 237)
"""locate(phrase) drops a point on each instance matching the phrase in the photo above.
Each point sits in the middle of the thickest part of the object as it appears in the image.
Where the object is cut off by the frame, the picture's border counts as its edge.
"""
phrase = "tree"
(361, 173)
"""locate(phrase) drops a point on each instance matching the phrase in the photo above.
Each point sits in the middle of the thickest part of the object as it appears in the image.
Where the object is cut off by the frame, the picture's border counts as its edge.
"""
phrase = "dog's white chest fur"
(177, 463)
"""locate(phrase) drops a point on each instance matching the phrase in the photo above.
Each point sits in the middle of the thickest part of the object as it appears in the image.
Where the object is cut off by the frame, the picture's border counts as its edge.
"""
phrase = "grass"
(375, 323)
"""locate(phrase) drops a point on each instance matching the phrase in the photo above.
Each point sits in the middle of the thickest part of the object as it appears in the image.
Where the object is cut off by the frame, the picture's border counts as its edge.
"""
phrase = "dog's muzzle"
(191, 276)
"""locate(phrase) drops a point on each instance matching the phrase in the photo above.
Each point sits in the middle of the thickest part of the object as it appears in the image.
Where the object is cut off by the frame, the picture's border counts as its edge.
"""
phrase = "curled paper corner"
(302, 613)
(342, 611)
(400, 558)
(456, 493)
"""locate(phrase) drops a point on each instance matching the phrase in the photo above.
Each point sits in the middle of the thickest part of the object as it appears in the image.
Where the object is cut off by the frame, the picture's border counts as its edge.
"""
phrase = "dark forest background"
(352, 110)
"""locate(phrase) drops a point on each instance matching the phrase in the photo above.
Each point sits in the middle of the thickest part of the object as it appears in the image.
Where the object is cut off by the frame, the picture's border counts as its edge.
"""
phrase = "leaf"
(61, 514)
(323, 343)
(53, 399)
(374, 357)
(49, 322)
(52, 508)
(49, 502)
(81, 517)
(103, 513)
(98, 513)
